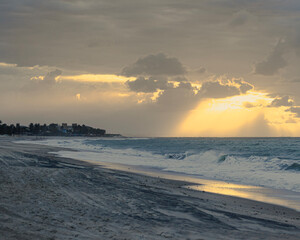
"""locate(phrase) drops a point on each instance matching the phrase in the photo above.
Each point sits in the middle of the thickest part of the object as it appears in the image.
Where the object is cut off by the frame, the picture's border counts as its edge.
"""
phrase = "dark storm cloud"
(158, 64)
(282, 101)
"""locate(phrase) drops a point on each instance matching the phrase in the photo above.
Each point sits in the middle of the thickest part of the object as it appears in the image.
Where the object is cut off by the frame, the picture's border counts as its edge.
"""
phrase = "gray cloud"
(240, 18)
(40, 85)
(179, 79)
(158, 64)
(282, 101)
(184, 96)
(201, 70)
(147, 85)
(294, 41)
(244, 86)
(249, 105)
(287, 48)
(114, 33)
(50, 77)
(180, 98)
(273, 63)
(295, 110)
(217, 90)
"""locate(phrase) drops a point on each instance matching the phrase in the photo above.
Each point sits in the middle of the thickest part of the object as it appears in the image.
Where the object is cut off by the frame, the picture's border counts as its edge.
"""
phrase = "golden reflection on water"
(243, 191)
(227, 189)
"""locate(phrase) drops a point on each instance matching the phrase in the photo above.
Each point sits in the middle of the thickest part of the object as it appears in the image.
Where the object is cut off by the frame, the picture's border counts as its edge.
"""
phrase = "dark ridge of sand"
(43, 196)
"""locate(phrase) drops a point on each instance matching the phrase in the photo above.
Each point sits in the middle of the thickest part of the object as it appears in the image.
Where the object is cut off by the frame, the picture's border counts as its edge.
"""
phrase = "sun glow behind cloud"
(95, 78)
(237, 102)
(229, 117)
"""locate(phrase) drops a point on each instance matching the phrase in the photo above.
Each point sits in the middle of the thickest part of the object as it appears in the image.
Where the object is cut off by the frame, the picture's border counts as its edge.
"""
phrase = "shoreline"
(226, 188)
(45, 196)
(282, 197)
(275, 173)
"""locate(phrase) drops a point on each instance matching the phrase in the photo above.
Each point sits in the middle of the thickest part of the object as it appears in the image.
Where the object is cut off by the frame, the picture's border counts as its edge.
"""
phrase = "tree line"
(52, 129)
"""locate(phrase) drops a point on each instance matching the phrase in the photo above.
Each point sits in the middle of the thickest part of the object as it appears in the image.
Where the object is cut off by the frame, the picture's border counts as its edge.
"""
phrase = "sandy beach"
(43, 196)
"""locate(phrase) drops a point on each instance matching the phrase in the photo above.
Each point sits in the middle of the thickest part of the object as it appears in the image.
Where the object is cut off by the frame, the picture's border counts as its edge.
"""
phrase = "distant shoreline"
(53, 129)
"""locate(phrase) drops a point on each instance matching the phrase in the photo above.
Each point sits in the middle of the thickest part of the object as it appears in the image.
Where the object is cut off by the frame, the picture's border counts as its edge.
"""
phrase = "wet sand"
(43, 196)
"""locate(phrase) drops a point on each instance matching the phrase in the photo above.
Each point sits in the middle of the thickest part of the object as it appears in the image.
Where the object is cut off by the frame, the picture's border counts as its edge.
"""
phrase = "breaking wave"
(294, 166)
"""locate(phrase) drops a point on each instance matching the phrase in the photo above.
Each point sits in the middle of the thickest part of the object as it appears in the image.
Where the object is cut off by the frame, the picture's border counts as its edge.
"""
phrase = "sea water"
(267, 162)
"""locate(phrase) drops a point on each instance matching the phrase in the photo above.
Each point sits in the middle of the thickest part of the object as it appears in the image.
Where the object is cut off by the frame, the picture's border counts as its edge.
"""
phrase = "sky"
(169, 68)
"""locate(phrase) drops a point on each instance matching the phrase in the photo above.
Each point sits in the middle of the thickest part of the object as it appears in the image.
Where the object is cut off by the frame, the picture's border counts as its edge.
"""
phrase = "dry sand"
(43, 196)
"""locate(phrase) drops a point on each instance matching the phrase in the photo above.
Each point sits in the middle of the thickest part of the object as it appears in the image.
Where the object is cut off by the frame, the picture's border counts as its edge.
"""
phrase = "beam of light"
(78, 97)
(3, 64)
(228, 117)
(283, 121)
(95, 78)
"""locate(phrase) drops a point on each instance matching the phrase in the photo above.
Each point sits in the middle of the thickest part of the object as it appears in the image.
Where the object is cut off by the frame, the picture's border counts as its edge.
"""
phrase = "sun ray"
(229, 116)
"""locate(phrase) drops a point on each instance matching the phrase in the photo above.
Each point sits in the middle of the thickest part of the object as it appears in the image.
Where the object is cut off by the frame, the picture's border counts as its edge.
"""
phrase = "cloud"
(178, 98)
(223, 88)
(201, 70)
(295, 110)
(50, 77)
(218, 90)
(294, 41)
(123, 30)
(273, 63)
(185, 96)
(243, 86)
(148, 85)
(249, 105)
(282, 101)
(40, 83)
(158, 64)
(291, 120)
(239, 18)
(296, 80)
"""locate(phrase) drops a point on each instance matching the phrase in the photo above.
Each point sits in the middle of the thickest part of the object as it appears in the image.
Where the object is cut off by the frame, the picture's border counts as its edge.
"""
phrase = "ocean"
(266, 162)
